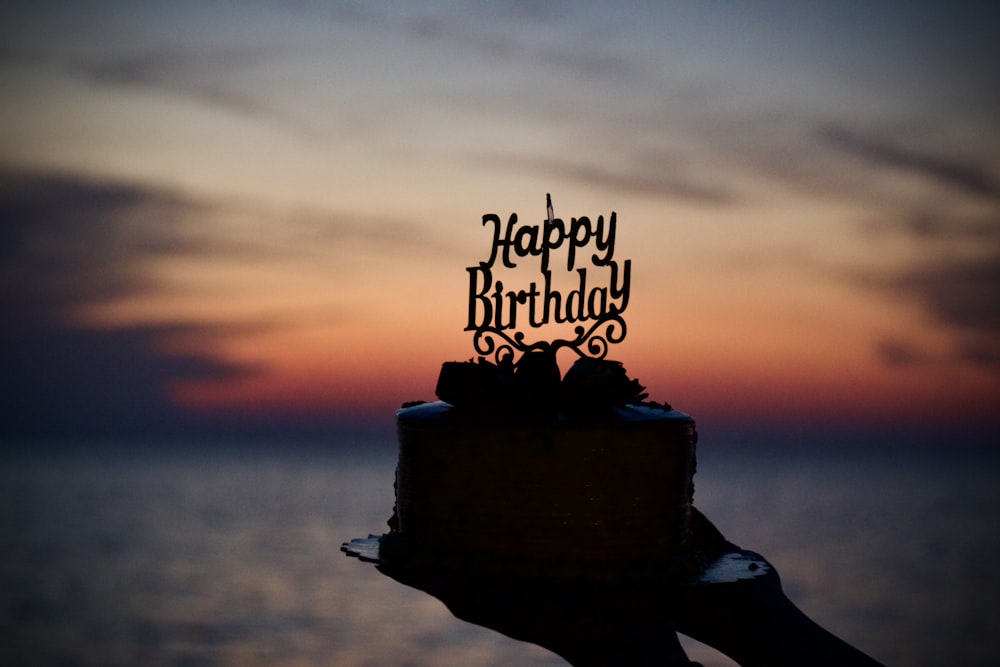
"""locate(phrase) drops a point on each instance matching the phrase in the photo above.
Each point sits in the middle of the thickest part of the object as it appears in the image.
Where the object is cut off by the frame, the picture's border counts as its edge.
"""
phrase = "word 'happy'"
(492, 306)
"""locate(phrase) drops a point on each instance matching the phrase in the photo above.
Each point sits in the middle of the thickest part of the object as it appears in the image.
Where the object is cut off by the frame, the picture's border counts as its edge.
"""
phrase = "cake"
(521, 471)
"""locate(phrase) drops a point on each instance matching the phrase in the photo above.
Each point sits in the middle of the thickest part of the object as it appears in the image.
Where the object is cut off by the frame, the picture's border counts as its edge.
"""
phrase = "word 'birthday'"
(492, 306)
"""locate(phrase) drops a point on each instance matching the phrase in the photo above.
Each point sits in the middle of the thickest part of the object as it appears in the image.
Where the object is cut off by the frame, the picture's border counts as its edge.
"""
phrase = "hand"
(744, 615)
(588, 624)
(751, 620)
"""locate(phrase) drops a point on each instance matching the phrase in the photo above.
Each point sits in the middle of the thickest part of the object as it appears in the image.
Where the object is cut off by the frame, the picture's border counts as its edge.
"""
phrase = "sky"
(221, 219)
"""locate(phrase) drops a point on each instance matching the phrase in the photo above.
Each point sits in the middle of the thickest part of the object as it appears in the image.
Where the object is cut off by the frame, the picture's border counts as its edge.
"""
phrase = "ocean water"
(175, 557)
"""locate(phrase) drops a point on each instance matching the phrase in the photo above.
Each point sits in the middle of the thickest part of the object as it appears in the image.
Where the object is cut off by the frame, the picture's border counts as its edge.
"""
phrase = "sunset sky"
(215, 215)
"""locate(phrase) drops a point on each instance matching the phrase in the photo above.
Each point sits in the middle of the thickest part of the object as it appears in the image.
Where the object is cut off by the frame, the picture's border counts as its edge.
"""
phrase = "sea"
(189, 556)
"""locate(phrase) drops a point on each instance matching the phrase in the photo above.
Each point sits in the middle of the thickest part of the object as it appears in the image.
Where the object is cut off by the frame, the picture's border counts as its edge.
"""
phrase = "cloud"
(899, 353)
(936, 227)
(959, 293)
(199, 76)
(351, 233)
(61, 381)
(66, 241)
(663, 180)
(498, 33)
(963, 294)
(963, 174)
(954, 241)
(229, 77)
(956, 278)
(206, 75)
(70, 239)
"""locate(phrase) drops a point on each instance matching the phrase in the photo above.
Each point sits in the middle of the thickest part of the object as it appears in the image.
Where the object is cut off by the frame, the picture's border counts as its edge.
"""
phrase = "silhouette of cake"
(518, 469)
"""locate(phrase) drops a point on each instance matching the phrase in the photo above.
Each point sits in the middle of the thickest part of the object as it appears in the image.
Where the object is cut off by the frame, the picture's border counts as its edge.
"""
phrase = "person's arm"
(736, 606)
(755, 624)
(747, 616)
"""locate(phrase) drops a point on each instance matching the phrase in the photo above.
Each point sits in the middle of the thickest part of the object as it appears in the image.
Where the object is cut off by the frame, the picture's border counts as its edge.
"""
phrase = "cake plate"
(729, 567)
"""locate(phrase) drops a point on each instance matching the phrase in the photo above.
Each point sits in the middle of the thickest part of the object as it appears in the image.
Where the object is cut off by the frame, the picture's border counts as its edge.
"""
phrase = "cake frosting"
(522, 471)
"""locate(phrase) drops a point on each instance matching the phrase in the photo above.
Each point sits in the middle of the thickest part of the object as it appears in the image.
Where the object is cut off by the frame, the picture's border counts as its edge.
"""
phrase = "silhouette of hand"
(595, 623)
(589, 623)
(586, 623)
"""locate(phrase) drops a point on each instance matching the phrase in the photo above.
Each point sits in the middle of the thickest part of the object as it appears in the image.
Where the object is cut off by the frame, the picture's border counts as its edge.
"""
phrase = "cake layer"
(582, 493)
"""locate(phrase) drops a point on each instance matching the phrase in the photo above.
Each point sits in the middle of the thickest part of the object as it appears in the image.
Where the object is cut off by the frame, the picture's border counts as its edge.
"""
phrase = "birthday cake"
(566, 485)
(518, 469)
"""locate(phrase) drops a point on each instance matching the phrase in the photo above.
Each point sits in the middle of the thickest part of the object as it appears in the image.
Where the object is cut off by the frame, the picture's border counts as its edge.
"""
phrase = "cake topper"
(497, 312)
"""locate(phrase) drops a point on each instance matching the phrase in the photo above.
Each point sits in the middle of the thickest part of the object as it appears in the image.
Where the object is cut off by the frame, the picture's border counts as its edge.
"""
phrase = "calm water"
(233, 559)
